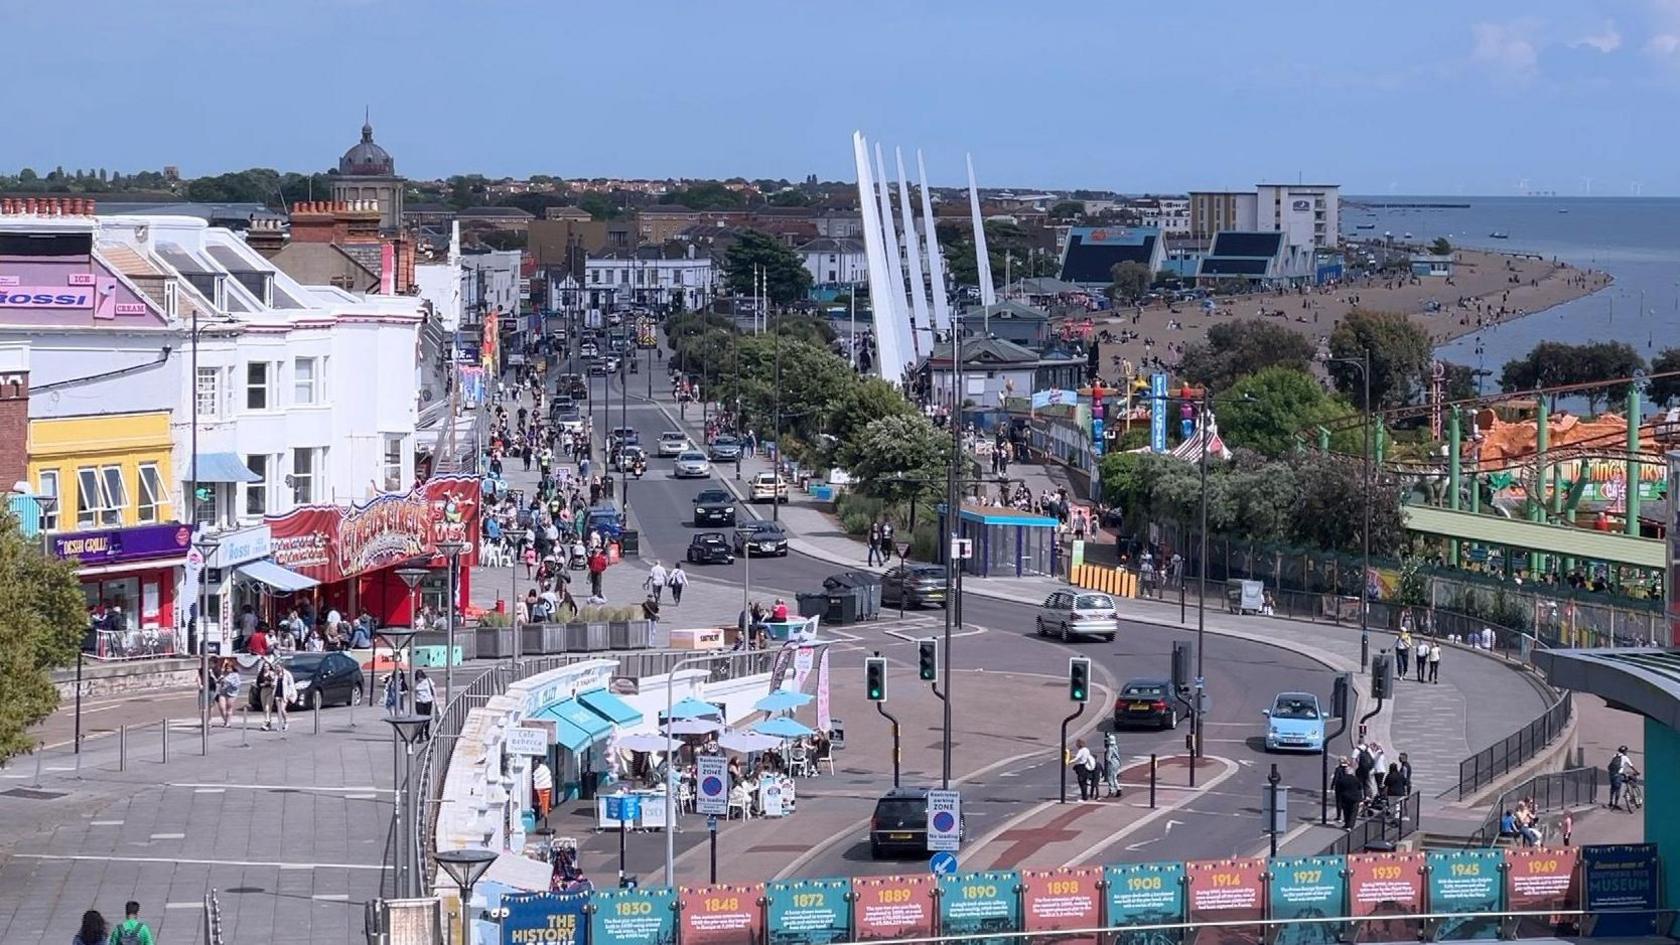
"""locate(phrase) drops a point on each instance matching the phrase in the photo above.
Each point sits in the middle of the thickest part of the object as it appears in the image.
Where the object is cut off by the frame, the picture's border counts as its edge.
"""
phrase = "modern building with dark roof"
(1255, 257)
(1092, 252)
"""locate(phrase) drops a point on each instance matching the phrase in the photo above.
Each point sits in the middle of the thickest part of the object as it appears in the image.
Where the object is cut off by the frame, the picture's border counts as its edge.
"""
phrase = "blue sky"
(1431, 97)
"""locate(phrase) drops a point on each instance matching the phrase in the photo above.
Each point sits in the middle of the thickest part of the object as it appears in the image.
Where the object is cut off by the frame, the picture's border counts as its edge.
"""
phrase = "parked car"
(322, 679)
(761, 538)
(1146, 702)
(724, 449)
(769, 487)
(899, 824)
(673, 443)
(710, 548)
(1070, 614)
(692, 464)
(1294, 723)
(913, 585)
(714, 507)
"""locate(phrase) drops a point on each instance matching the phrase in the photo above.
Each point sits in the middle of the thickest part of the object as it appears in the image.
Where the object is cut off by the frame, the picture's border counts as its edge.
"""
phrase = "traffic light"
(1079, 679)
(875, 679)
(1382, 676)
(1181, 666)
(927, 660)
(1341, 696)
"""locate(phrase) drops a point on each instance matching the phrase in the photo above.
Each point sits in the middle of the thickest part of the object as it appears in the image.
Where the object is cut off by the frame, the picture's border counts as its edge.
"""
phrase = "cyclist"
(1621, 772)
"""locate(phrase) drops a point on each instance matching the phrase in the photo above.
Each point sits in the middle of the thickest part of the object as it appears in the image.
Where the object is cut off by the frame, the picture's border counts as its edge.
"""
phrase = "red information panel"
(892, 907)
(1226, 891)
(1540, 878)
(1062, 899)
(1385, 884)
(722, 915)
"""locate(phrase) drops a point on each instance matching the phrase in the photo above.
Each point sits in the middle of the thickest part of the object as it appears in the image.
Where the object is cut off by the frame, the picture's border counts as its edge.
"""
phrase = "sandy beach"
(1485, 289)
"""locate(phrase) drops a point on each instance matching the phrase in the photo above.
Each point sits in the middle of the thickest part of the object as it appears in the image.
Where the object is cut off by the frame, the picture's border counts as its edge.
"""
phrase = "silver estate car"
(692, 464)
(1070, 614)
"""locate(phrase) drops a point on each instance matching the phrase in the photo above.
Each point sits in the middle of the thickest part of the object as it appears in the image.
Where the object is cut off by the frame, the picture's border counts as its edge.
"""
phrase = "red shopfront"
(354, 552)
(135, 569)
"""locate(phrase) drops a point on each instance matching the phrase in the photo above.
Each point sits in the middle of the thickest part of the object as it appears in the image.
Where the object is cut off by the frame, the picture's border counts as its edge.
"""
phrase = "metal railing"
(1547, 792)
(212, 918)
(1512, 751)
(1388, 828)
(151, 643)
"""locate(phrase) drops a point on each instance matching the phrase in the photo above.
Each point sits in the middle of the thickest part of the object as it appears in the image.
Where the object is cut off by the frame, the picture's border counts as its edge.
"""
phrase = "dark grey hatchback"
(899, 824)
(916, 585)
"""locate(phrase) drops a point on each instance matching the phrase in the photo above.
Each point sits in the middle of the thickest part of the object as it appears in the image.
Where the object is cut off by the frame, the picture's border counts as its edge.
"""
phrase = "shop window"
(87, 497)
(115, 495)
(100, 496)
(256, 493)
(47, 485)
(152, 498)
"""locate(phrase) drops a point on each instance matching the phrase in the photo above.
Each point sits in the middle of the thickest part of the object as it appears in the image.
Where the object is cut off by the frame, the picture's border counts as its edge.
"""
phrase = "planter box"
(577, 637)
(640, 634)
(597, 637)
(618, 635)
(491, 642)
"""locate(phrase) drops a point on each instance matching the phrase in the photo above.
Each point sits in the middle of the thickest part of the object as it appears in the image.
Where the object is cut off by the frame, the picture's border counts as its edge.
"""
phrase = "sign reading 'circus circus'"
(330, 543)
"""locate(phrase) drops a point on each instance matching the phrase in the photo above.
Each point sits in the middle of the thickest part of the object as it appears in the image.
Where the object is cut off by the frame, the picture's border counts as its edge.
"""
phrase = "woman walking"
(424, 698)
(227, 690)
(1111, 764)
(94, 930)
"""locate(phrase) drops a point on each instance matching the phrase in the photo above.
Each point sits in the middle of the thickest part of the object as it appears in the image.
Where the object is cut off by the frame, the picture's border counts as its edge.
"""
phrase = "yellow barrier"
(1114, 581)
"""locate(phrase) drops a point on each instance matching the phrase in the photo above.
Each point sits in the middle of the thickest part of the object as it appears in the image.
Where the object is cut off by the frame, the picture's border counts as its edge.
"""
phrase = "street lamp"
(1363, 362)
(408, 729)
(451, 550)
(465, 866)
(671, 811)
(206, 548)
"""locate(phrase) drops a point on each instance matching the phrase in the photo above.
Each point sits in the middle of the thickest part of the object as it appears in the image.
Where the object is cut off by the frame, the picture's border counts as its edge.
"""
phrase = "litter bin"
(842, 606)
(812, 605)
(630, 543)
(865, 585)
(589, 784)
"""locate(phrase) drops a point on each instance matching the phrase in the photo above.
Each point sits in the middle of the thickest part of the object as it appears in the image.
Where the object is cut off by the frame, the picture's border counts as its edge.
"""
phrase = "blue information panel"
(1312, 887)
(547, 918)
(1621, 876)
(634, 917)
(810, 911)
(1466, 881)
(1145, 894)
(977, 903)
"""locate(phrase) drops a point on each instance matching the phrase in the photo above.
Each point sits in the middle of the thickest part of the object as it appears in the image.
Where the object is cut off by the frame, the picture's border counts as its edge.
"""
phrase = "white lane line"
(107, 858)
(183, 905)
(210, 790)
(59, 768)
(308, 788)
(331, 897)
(169, 836)
(360, 797)
(105, 823)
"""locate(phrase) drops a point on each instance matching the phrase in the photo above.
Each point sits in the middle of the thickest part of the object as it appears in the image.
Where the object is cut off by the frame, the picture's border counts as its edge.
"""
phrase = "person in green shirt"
(132, 931)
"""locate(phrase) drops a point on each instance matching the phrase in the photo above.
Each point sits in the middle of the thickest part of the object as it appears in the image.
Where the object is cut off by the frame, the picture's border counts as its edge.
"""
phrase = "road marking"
(360, 797)
(356, 789)
(331, 897)
(183, 905)
(107, 858)
(210, 790)
(910, 639)
(169, 836)
(105, 823)
(1151, 817)
(58, 768)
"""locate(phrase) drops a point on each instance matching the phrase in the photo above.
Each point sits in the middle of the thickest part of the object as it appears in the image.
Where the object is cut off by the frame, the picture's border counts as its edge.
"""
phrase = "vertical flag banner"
(634, 917)
(977, 903)
(1466, 881)
(1227, 891)
(555, 918)
(1538, 878)
(1158, 413)
(1311, 887)
(1621, 876)
(810, 912)
(1146, 894)
(722, 915)
(893, 907)
(824, 721)
(1054, 900)
(1382, 884)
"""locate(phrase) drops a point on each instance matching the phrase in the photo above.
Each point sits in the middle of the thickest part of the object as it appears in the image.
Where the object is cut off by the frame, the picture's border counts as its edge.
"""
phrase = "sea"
(1634, 239)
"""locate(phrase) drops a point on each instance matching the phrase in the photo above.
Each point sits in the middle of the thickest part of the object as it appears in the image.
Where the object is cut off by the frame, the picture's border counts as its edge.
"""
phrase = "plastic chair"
(738, 799)
(822, 759)
(685, 796)
(800, 761)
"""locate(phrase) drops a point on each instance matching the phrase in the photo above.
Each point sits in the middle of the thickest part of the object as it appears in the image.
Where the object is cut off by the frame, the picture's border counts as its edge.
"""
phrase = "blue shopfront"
(1006, 542)
(582, 727)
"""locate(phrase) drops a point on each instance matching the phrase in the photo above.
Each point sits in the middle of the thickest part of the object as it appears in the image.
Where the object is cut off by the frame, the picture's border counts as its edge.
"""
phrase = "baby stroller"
(576, 558)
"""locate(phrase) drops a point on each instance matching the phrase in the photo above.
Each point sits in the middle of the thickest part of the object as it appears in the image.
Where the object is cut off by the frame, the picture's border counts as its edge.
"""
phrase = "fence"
(1373, 833)
(133, 644)
(1549, 792)
(1510, 752)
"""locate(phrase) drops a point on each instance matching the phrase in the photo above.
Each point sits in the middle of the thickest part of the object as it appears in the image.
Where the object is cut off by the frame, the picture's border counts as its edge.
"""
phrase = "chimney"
(359, 221)
(266, 237)
(313, 222)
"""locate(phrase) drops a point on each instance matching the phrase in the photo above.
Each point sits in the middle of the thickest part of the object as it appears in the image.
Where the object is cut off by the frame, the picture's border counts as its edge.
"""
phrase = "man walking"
(1423, 649)
(1620, 767)
(874, 543)
(1084, 767)
(1346, 786)
(676, 580)
(597, 571)
(1403, 653)
(132, 931)
(655, 582)
(1435, 663)
(886, 542)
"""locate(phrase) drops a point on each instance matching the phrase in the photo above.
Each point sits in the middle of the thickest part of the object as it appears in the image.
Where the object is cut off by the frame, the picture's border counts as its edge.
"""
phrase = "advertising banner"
(1382, 884)
(119, 545)
(543, 918)
(825, 721)
(893, 906)
(1145, 894)
(330, 543)
(810, 912)
(1158, 413)
(634, 917)
(1466, 881)
(722, 915)
(1054, 900)
(1538, 878)
(977, 903)
(1621, 876)
(1311, 887)
(1226, 891)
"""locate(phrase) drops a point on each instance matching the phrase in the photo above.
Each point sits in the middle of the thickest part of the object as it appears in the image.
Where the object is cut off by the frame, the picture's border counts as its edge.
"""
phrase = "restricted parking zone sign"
(944, 820)
(711, 778)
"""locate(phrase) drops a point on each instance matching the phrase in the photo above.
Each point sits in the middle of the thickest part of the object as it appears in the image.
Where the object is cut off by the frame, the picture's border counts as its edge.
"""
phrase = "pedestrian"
(94, 930)
(132, 931)
(425, 697)
(227, 690)
(1620, 767)
(656, 580)
(1422, 659)
(1111, 764)
(285, 690)
(1403, 652)
(650, 612)
(1363, 763)
(875, 543)
(265, 692)
(597, 572)
(1347, 787)
(1435, 663)
(676, 580)
(887, 547)
(1084, 769)
(395, 686)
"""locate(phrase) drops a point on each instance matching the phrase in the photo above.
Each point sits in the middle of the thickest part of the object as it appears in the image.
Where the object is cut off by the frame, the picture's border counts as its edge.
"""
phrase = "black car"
(1146, 703)
(913, 585)
(899, 824)
(714, 507)
(761, 538)
(322, 679)
(710, 548)
(573, 386)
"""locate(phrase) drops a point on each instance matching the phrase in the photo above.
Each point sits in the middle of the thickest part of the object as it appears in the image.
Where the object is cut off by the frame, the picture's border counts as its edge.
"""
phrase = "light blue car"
(1294, 723)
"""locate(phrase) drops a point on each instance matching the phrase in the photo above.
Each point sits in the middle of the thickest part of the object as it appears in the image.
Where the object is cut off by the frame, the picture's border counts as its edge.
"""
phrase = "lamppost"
(1363, 362)
(670, 747)
(465, 866)
(408, 729)
(451, 550)
(405, 728)
(206, 548)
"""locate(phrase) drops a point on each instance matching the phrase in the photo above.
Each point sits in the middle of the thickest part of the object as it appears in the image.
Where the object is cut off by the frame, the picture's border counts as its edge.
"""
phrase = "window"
(256, 493)
(305, 381)
(152, 498)
(87, 496)
(116, 497)
(257, 378)
(100, 496)
(394, 449)
(48, 486)
(306, 469)
(209, 392)
(323, 392)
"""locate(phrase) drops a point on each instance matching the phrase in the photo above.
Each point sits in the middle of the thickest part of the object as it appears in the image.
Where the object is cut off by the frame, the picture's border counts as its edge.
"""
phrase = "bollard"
(1151, 780)
(78, 774)
(40, 749)
(165, 729)
(122, 747)
(244, 715)
(317, 715)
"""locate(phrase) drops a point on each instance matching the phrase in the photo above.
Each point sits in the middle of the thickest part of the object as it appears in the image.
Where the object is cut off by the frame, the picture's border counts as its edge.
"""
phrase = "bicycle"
(1633, 794)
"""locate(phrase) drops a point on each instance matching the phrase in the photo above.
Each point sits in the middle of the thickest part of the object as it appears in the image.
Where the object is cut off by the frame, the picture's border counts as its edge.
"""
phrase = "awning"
(576, 728)
(281, 579)
(610, 707)
(222, 467)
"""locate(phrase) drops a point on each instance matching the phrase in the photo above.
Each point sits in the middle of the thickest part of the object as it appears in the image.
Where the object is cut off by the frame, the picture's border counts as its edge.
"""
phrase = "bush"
(858, 512)
(494, 618)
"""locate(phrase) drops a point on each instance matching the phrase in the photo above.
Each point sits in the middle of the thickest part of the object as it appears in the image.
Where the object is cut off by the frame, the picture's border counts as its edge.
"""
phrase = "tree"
(1555, 363)
(792, 197)
(1238, 348)
(901, 458)
(1067, 210)
(709, 195)
(1665, 389)
(1400, 358)
(42, 616)
(28, 175)
(1329, 511)
(1164, 277)
(1441, 247)
(785, 272)
(1268, 410)
(1460, 383)
(1131, 280)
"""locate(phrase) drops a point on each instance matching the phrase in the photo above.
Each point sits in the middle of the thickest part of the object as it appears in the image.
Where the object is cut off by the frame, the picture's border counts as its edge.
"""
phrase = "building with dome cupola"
(366, 172)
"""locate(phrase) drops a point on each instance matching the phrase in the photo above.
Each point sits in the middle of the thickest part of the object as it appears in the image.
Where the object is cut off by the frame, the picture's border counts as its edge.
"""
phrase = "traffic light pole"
(889, 717)
(1065, 723)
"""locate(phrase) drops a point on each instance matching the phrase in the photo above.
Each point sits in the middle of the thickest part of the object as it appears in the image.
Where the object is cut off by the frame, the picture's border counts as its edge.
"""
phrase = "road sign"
(944, 820)
(623, 808)
(711, 779)
(962, 549)
(711, 823)
(943, 862)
